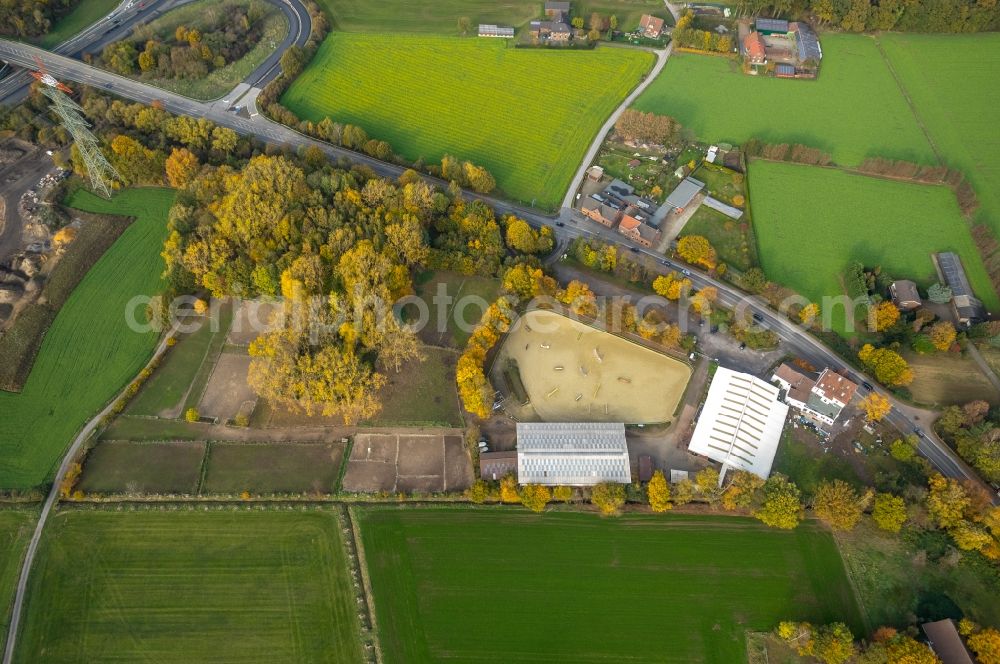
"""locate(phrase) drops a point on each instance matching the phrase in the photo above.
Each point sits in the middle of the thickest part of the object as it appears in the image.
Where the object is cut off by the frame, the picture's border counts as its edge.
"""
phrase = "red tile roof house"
(753, 46)
(601, 213)
(634, 229)
(651, 26)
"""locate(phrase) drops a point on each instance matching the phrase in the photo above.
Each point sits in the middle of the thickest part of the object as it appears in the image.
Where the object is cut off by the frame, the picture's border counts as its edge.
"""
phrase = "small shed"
(784, 71)
(494, 465)
(645, 467)
(595, 173)
(678, 475)
(771, 26)
(946, 642)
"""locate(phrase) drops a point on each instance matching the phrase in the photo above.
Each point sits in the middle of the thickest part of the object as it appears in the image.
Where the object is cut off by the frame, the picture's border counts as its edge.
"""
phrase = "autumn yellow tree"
(508, 489)
(658, 492)
(181, 167)
(608, 497)
(942, 334)
(889, 366)
(889, 512)
(839, 505)
(781, 506)
(535, 497)
(703, 299)
(809, 313)
(682, 492)
(580, 299)
(742, 490)
(882, 316)
(707, 482)
(947, 500)
(696, 249)
(563, 494)
(875, 407)
(986, 645)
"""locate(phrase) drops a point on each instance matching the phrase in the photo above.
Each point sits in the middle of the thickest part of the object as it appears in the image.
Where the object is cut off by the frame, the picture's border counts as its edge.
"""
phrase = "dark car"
(713, 329)
(560, 224)
(867, 387)
(743, 346)
(634, 250)
(758, 318)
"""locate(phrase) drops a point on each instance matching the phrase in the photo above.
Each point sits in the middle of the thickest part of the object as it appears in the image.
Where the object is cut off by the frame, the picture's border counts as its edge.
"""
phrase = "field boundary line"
(366, 585)
(849, 570)
(53, 497)
(909, 101)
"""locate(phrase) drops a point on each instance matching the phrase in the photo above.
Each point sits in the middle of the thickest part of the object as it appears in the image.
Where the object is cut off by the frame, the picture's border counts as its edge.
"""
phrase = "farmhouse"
(740, 424)
(821, 399)
(685, 192)
(904, 294)
(572, 454)
(601, 212)
(754, 49)
(634, 227)
(651, 27)
(967, 308)
(550, 31)
(498, 31)
(494, 465)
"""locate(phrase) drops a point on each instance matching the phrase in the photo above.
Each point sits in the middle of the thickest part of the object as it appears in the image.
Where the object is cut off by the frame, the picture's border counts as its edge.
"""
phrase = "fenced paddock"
(573, 372)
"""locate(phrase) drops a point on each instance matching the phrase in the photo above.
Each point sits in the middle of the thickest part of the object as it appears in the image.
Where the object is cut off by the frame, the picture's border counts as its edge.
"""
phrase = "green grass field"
(441, 16)
(191, 587)
(15, 531)
(853, 110)
(89, 352)
(731, 239)
(121, 466)
(273, 467)
(85, 13)
(163, 392)
(499, 585)
(811, 222)
(422, 392)
(527, 115)
(952, 81)
(473, 293)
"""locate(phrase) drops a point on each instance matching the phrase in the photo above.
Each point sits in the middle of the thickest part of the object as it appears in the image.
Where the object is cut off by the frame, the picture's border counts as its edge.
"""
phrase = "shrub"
(192, 415)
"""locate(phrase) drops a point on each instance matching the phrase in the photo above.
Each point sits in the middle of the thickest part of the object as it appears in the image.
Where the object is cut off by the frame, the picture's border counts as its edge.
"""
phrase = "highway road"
(566, 226)
(125, 17)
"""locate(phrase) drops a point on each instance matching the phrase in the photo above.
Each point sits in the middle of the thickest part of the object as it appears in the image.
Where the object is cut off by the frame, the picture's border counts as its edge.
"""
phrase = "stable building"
(572, 453)
(684, 193)
(496, 31)
(740, 424)
(967, 308)
(495, 465)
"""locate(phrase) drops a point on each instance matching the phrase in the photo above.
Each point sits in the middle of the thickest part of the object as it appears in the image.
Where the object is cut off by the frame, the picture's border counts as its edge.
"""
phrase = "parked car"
(634, 250)
(743, 346)
(867, 387)
(560, 224)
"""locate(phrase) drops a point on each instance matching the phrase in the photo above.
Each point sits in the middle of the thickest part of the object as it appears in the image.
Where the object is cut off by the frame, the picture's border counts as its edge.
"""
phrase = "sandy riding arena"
(568, 371)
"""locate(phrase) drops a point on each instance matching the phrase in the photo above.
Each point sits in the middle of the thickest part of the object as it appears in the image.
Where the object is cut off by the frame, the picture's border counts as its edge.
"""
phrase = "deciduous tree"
(875, 407)
(535, 497)
(889, 366)
(658, 492)
(697, 249)
(781, 506)
(608, 497)
(839, 505)
(889, 512)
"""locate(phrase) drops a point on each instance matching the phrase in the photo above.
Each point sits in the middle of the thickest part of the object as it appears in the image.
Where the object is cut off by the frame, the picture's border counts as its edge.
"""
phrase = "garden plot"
(227, 393)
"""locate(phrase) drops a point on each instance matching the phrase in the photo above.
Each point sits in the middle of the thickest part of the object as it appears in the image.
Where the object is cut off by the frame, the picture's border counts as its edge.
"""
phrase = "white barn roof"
(741, 422)
(573, 454)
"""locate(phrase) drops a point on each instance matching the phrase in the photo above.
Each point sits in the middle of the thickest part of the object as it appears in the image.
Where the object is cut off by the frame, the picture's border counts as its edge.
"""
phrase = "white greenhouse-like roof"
(741, 422)
(572, 453)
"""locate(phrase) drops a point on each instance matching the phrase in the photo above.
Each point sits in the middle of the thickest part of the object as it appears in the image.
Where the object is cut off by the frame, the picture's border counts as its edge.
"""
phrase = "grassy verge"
(191, 586)
(90, 352)
(16, 526)
(86, 13)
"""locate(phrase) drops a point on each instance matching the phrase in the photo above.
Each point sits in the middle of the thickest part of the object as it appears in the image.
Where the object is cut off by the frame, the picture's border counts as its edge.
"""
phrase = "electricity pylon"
(99, 170)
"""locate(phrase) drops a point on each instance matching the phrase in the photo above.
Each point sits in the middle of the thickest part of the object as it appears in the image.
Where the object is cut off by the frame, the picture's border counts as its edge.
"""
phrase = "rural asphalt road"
(566, 225)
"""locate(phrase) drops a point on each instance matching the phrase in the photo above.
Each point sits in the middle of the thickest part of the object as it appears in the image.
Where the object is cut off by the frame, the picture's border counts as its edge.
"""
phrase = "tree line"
(31, 18)
(900, 15)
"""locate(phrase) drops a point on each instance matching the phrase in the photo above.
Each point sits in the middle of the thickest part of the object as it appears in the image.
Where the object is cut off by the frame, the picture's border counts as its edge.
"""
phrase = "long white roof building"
(741, 422)
(572, 454)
